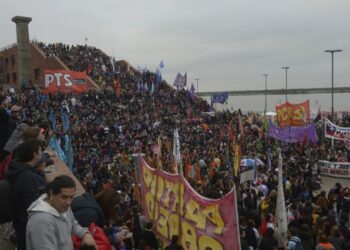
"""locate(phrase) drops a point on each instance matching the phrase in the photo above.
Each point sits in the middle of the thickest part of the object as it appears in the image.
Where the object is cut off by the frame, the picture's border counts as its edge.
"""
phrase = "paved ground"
(328, 182)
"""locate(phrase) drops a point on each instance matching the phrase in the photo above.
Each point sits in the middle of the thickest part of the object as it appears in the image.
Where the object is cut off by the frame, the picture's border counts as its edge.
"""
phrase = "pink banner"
(177, 209)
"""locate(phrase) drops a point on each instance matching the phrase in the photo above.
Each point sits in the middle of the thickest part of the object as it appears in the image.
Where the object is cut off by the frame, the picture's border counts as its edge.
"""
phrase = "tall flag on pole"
(161, 64)
(158, 76)
(231, 134)
(192, 91)
(240, 126)
(180, 80)
(236, 161)
(177, 153)
(281, 215)
(113, 67)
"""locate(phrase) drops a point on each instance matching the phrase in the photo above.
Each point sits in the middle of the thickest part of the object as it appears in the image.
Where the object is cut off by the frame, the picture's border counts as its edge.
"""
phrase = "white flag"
(113, 67)
(281, 215)
(177, 153)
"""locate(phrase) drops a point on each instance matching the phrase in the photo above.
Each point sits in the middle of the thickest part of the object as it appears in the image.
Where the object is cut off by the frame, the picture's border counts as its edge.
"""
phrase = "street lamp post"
(197, 79)
(265, 109)
(332, 51)
(286, 68)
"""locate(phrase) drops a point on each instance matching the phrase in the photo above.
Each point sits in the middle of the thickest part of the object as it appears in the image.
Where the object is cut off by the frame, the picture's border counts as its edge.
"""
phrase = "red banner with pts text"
(65, 81)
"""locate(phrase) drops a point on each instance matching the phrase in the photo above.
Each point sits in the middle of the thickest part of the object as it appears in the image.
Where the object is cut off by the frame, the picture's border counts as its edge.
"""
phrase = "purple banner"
(293, 134)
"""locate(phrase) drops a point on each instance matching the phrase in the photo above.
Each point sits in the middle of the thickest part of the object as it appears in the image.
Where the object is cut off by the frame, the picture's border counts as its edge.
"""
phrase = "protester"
(149, 240)
(24, 187)
(268, 242)
(174, 245)
(324, 243)
(51, 222)
(126, 117)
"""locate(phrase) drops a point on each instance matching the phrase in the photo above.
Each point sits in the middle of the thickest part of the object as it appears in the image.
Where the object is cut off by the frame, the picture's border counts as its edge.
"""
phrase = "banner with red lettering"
(65, 81)
(289, 114)
(334, 169)
(177, 209)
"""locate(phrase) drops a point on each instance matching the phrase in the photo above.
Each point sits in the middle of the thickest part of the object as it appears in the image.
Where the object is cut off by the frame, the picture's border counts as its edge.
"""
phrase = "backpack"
(298, 245)
(100, 238)
(6, 208)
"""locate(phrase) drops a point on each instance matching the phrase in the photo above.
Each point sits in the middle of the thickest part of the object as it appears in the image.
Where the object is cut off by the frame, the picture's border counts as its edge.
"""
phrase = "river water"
(256, 103)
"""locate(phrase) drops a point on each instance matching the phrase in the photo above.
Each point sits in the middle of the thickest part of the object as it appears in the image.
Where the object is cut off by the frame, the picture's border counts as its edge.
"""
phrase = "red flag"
(231, 133)
(240, 125)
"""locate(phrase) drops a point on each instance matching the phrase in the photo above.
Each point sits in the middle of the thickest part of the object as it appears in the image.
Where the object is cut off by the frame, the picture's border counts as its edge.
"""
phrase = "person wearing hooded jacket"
(22, 177)
(51, 221)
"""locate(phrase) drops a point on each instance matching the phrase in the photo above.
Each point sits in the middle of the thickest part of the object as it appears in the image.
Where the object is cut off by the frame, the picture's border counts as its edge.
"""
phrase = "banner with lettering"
(65, 81)
(289, 114)
(336, 132)
(177, 209)
(334, 169)
(293, 134)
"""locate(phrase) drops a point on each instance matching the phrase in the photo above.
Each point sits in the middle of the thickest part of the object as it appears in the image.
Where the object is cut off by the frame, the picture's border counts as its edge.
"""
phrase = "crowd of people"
(106, 128)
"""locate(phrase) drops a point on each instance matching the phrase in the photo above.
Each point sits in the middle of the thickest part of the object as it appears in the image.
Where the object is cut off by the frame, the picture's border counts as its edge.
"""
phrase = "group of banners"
(335, 132)
(293, 134)
(289, 114)
(177, 209)
(65, 81)
(293, 123)
(334, 169)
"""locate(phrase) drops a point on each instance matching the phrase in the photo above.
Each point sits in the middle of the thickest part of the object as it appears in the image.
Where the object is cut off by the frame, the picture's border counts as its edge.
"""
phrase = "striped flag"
(177, 153)
(236, 161)
(281, 215)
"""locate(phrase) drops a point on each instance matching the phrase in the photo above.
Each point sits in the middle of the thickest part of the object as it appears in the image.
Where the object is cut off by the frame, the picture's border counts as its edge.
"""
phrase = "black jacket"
(24, 190)
(86, 210)
(149, 239)
(173, 246)
(268, 243)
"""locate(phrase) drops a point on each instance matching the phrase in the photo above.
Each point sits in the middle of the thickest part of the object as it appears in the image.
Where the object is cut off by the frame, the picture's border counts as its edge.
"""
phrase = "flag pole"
(237, 219)
(280, 215)
(155, 191)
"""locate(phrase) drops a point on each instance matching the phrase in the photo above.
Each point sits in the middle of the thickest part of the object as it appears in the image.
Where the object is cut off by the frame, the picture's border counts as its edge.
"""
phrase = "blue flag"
(55, 146)
(219, 98)
(68, 150)
(52, 119)
(65, 122)
(161, 64)
(158, 76)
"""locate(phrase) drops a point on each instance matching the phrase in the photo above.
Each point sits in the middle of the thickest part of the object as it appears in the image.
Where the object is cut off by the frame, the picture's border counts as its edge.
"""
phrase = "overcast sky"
(227, 44)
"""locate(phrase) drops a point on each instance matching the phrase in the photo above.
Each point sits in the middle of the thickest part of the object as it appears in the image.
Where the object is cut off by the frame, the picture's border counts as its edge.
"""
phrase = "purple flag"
(192, 90)
(293, 134)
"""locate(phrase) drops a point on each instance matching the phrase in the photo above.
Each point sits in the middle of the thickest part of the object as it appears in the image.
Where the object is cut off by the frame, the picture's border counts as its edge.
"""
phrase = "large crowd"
(106, 128)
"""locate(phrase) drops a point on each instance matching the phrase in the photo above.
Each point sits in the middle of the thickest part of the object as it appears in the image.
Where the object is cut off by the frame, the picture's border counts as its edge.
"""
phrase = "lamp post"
(265, 109)
(286, 68)
(197, 79)
(332, 51)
